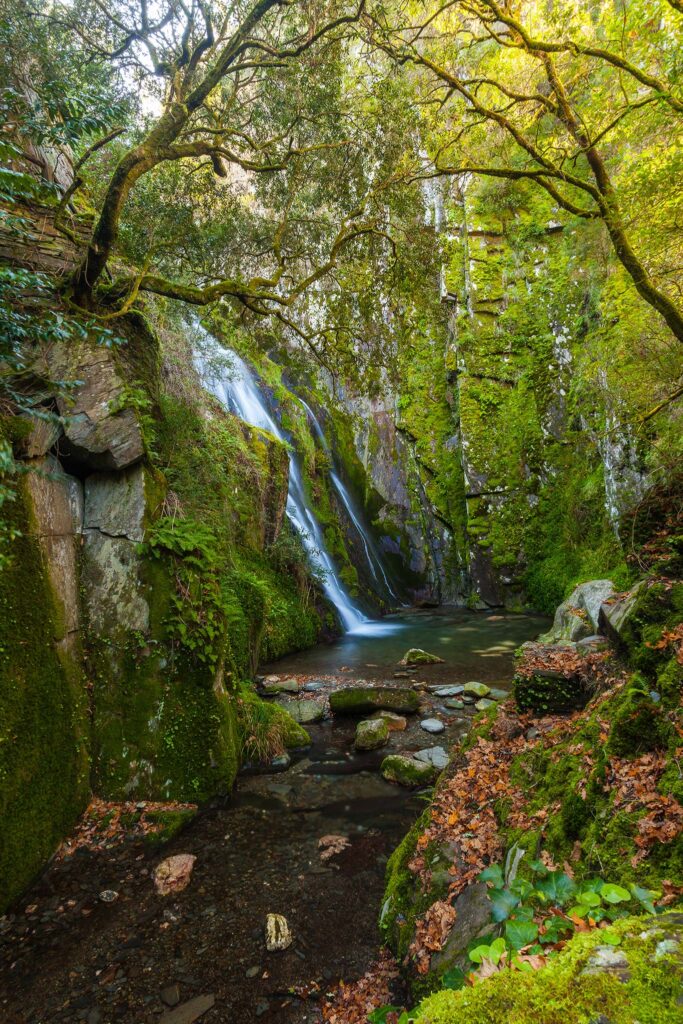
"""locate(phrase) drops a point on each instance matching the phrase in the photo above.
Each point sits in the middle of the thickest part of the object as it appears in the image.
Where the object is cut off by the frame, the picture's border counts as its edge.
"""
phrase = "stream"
(65, 955)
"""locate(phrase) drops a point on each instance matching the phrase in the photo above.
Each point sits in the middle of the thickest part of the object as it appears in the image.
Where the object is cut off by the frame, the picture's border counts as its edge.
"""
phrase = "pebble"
(432, 725)
(278, 935)
(170, 995)
(252, 972)
(262, 1007)
(188, 1012)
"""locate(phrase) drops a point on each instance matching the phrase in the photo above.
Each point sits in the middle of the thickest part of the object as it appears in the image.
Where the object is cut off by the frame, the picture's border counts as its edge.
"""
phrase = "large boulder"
(617, 616)
(578, 616)
(359, 700)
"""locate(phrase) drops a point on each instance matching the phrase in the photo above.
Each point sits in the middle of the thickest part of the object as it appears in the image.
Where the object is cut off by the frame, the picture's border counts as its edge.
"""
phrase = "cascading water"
(241, 394)
(373, 559)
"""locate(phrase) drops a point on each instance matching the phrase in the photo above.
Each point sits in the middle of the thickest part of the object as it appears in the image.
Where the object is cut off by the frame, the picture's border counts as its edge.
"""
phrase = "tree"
(534, 97)
(251, 106)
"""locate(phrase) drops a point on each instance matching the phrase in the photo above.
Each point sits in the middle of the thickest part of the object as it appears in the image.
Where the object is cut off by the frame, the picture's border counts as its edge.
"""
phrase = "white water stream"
(241, 394)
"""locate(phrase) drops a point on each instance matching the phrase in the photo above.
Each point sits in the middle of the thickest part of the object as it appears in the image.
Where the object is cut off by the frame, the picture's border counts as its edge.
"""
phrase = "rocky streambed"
(307, 838)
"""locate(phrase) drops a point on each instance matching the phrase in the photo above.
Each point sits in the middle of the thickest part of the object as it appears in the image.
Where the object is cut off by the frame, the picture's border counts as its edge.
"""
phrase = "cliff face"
(150, 566)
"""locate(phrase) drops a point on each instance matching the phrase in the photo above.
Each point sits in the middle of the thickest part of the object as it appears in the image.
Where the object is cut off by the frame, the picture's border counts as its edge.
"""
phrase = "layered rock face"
(107, 679)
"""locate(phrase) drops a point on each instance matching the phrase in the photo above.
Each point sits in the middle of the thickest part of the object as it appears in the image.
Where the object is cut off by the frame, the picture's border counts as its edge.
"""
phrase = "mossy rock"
(359, 700)
(589, 981)
(416, 656)
(407, 771)
(546, 692)
(170, 823)
(371, 735)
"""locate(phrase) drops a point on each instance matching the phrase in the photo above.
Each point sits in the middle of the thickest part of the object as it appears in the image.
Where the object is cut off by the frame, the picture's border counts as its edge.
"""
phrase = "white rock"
(278, 935)
(435, 756)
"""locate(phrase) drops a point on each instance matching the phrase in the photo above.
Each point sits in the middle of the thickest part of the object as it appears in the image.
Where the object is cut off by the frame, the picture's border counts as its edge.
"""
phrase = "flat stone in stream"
(432, 725)
(359, 700)
(446, 691)
(455, 704)
(484, 703)
(436, 756)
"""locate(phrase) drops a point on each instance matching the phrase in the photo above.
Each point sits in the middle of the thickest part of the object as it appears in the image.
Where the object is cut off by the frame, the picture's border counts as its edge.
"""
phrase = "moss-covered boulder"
(416, 656)
(359, 700)
(371, 735)
(407, 771)
(578, 616)
(640, 979)
(476, 689)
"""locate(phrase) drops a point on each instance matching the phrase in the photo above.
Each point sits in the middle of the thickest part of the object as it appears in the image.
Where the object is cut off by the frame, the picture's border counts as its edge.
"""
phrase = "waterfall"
(240, 393)
(371, 554)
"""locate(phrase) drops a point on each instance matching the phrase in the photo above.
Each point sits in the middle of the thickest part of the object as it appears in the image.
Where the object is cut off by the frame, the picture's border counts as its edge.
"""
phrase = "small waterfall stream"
(241, 394)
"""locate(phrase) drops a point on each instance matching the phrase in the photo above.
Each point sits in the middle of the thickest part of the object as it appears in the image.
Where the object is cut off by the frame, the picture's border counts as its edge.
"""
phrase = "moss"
(43, 714)
(358, 700)
(407, 771)
(402, 905)
(549, 692)
(168, 823)
(561, 993)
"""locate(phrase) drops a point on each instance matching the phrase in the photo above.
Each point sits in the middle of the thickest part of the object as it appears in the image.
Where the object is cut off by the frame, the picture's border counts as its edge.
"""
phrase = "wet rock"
(608, 960)
(313, 686)
(402, 675)
(304, 711)
(189, 1011)
(170, 995)
(476, 690)
(617, 616)
(262, 1007)
(371, 734)
(395, 723)
(484, 703)
(281, 762)
(432, 725)
(416, 656)
(280, 686)
(436, 756)
(359, 700)
(447, 691)
(455, 705)
(252, 971)
(577, 617)
(496, 694)
(173, 874)
(278, 935)
(407, 771)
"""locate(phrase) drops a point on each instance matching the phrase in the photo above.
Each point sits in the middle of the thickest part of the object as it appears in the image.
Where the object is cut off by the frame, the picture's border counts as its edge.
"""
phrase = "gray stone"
(496, 694)
(281, 762)
(314, 686)
(484, 703)
(455, 704)
(615, 617)
(475, 690)
(371, 734)
(473, 921)
(395, 723)
(447, 691)
(252, 971)
(359, 700)
(577, 617)
(432, 725)
(112, 585)
(592, 645)
(100, 430)
(608, 960)
(115, 503)
(56, 501)
(436, 756)
(171, 994)
(281, 686)
(304, 711)
(188, 1012)
(41, 437)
